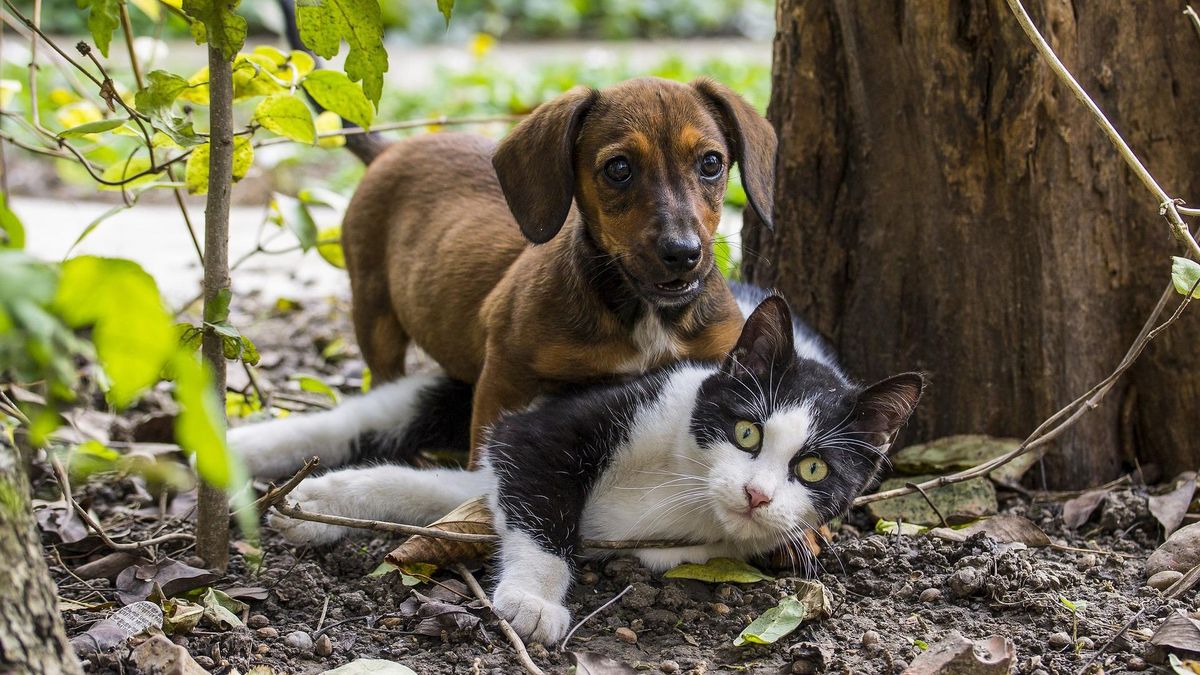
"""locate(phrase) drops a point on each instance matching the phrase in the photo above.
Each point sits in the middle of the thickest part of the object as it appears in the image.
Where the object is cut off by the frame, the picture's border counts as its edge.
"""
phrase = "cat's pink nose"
(756, 497)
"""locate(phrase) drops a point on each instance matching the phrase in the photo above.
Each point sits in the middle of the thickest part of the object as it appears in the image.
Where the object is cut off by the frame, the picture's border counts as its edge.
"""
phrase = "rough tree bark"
(942, 203)
(212, 521)
(32, 639)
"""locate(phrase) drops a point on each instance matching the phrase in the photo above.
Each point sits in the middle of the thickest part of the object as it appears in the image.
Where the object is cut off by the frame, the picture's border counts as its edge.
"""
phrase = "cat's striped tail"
(392, 422)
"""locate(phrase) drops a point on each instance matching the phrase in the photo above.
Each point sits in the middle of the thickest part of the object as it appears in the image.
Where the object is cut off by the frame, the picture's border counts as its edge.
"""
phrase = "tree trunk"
(212, 520)
(32, 639)
(943, 203)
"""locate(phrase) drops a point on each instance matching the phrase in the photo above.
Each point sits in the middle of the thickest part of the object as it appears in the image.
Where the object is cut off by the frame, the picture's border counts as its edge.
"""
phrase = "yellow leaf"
(329, 121)
(197, 91)
(329, 246)
(149, 7)
(481, 44)
(77, 114)
(9, 89)
(195, 173)
(60, 97)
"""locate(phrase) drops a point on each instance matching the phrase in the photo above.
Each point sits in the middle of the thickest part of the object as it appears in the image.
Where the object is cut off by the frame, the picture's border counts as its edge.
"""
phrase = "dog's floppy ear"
(753, 142)
(536, 164)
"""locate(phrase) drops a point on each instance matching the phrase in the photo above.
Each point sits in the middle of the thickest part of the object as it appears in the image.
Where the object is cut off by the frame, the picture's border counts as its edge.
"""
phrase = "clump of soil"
(893, 594)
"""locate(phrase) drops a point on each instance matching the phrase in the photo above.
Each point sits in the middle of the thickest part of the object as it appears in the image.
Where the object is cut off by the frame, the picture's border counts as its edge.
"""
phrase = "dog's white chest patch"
(655, 344)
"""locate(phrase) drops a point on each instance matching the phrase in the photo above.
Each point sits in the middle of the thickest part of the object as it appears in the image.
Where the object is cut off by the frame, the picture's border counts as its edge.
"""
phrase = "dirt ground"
(893, 594)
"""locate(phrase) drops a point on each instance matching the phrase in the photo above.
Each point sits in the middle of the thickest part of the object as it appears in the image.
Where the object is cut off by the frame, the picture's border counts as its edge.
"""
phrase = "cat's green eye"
(811, 469)
(747, 434)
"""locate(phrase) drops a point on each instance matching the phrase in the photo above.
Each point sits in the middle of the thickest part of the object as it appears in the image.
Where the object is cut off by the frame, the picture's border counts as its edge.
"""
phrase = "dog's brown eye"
(618, 170)
(711, 165)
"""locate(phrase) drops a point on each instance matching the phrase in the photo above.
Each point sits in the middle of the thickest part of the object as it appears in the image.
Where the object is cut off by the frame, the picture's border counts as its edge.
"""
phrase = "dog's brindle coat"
(434, 245)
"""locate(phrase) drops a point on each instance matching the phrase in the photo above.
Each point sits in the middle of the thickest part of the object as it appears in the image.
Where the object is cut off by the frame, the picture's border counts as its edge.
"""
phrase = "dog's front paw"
(534, 617)
(315, 495)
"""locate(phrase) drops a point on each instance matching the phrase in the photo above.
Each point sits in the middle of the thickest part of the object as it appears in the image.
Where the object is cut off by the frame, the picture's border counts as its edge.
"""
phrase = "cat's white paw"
(535, 618)
(317, 495)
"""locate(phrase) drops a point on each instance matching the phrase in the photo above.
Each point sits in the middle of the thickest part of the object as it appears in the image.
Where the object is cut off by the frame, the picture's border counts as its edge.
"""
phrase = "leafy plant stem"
(133, 59)
(212, 530)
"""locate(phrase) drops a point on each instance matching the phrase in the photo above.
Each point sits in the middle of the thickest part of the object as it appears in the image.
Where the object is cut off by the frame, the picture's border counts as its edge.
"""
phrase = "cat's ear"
(886, 405)
(766, 342)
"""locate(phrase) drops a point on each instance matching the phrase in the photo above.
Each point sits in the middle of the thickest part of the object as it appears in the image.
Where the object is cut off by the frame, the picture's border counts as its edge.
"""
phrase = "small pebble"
(965, 582)
(589, 578)
(1085, 643)
(1136, 663)
(1059, 640)
(1164, 579)
(626, 635)
(324, 646)
(721, 609)
(669, 667)
(870, 639)
(205, 662)
(262, 649)
(299, 640)
(267, 632)
(1087, 561)
(930, 595)
(258, 621)
(804, 667)
(637, 625)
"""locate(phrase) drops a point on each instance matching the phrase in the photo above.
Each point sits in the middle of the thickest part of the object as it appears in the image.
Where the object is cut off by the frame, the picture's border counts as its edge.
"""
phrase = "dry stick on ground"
(563, 645)
(212, 521)
(276, 494)
(1104, 648)
(505, 628)
(1185, 584)
(65, 485)
(467, 537)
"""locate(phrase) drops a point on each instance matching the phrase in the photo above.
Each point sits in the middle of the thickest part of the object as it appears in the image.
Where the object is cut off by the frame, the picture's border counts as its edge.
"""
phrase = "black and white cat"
(740, 457)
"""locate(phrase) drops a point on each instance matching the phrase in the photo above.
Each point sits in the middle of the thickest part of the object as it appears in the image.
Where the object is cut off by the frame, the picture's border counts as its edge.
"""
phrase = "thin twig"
(442, 121)
(505, 628)
(276, 494)
(1185, 584)
(1191, 14)
(929, 501)
(470, 538)
(1168, 206)
(1106, 645)
(563, 645)
(65, 485)
(324, 609)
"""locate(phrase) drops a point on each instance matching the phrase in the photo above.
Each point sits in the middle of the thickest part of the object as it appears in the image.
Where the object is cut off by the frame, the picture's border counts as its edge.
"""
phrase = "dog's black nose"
(679, 254)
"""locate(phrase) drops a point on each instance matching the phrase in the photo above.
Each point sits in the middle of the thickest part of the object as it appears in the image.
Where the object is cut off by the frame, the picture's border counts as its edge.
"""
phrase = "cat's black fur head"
(802, 409)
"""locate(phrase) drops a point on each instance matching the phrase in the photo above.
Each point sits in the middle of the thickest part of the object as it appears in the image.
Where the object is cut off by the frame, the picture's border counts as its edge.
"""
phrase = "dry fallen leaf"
(591, 663)
(1076, 511)
(1179, 634)
(160, 655)
(472, 517)
(956, 655)
(1005, 529)
(437, 617)
(1170, 508)
(137, 582)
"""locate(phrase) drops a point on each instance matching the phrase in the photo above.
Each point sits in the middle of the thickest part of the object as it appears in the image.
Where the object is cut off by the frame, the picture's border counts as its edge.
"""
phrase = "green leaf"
(288, 116)
(810, 601)
(217, 311)
(294, 215)
(329, 246)
(920, 644)
(311, 384)
(446, 7)
(160, 92)
(221, 610)
(334, 91)
(12, 232)
(93, 127)
(252, 76)
(718, 570)
(892, 527)
(773, 623)
(1185, 274)
(195, 173)
(132, 330)
(324, 24)
(383, 569)
(1073, 605)
(217, 23)
(103, 19)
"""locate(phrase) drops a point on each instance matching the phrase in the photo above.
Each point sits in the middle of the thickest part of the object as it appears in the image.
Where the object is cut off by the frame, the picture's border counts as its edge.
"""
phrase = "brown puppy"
(437, 241)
